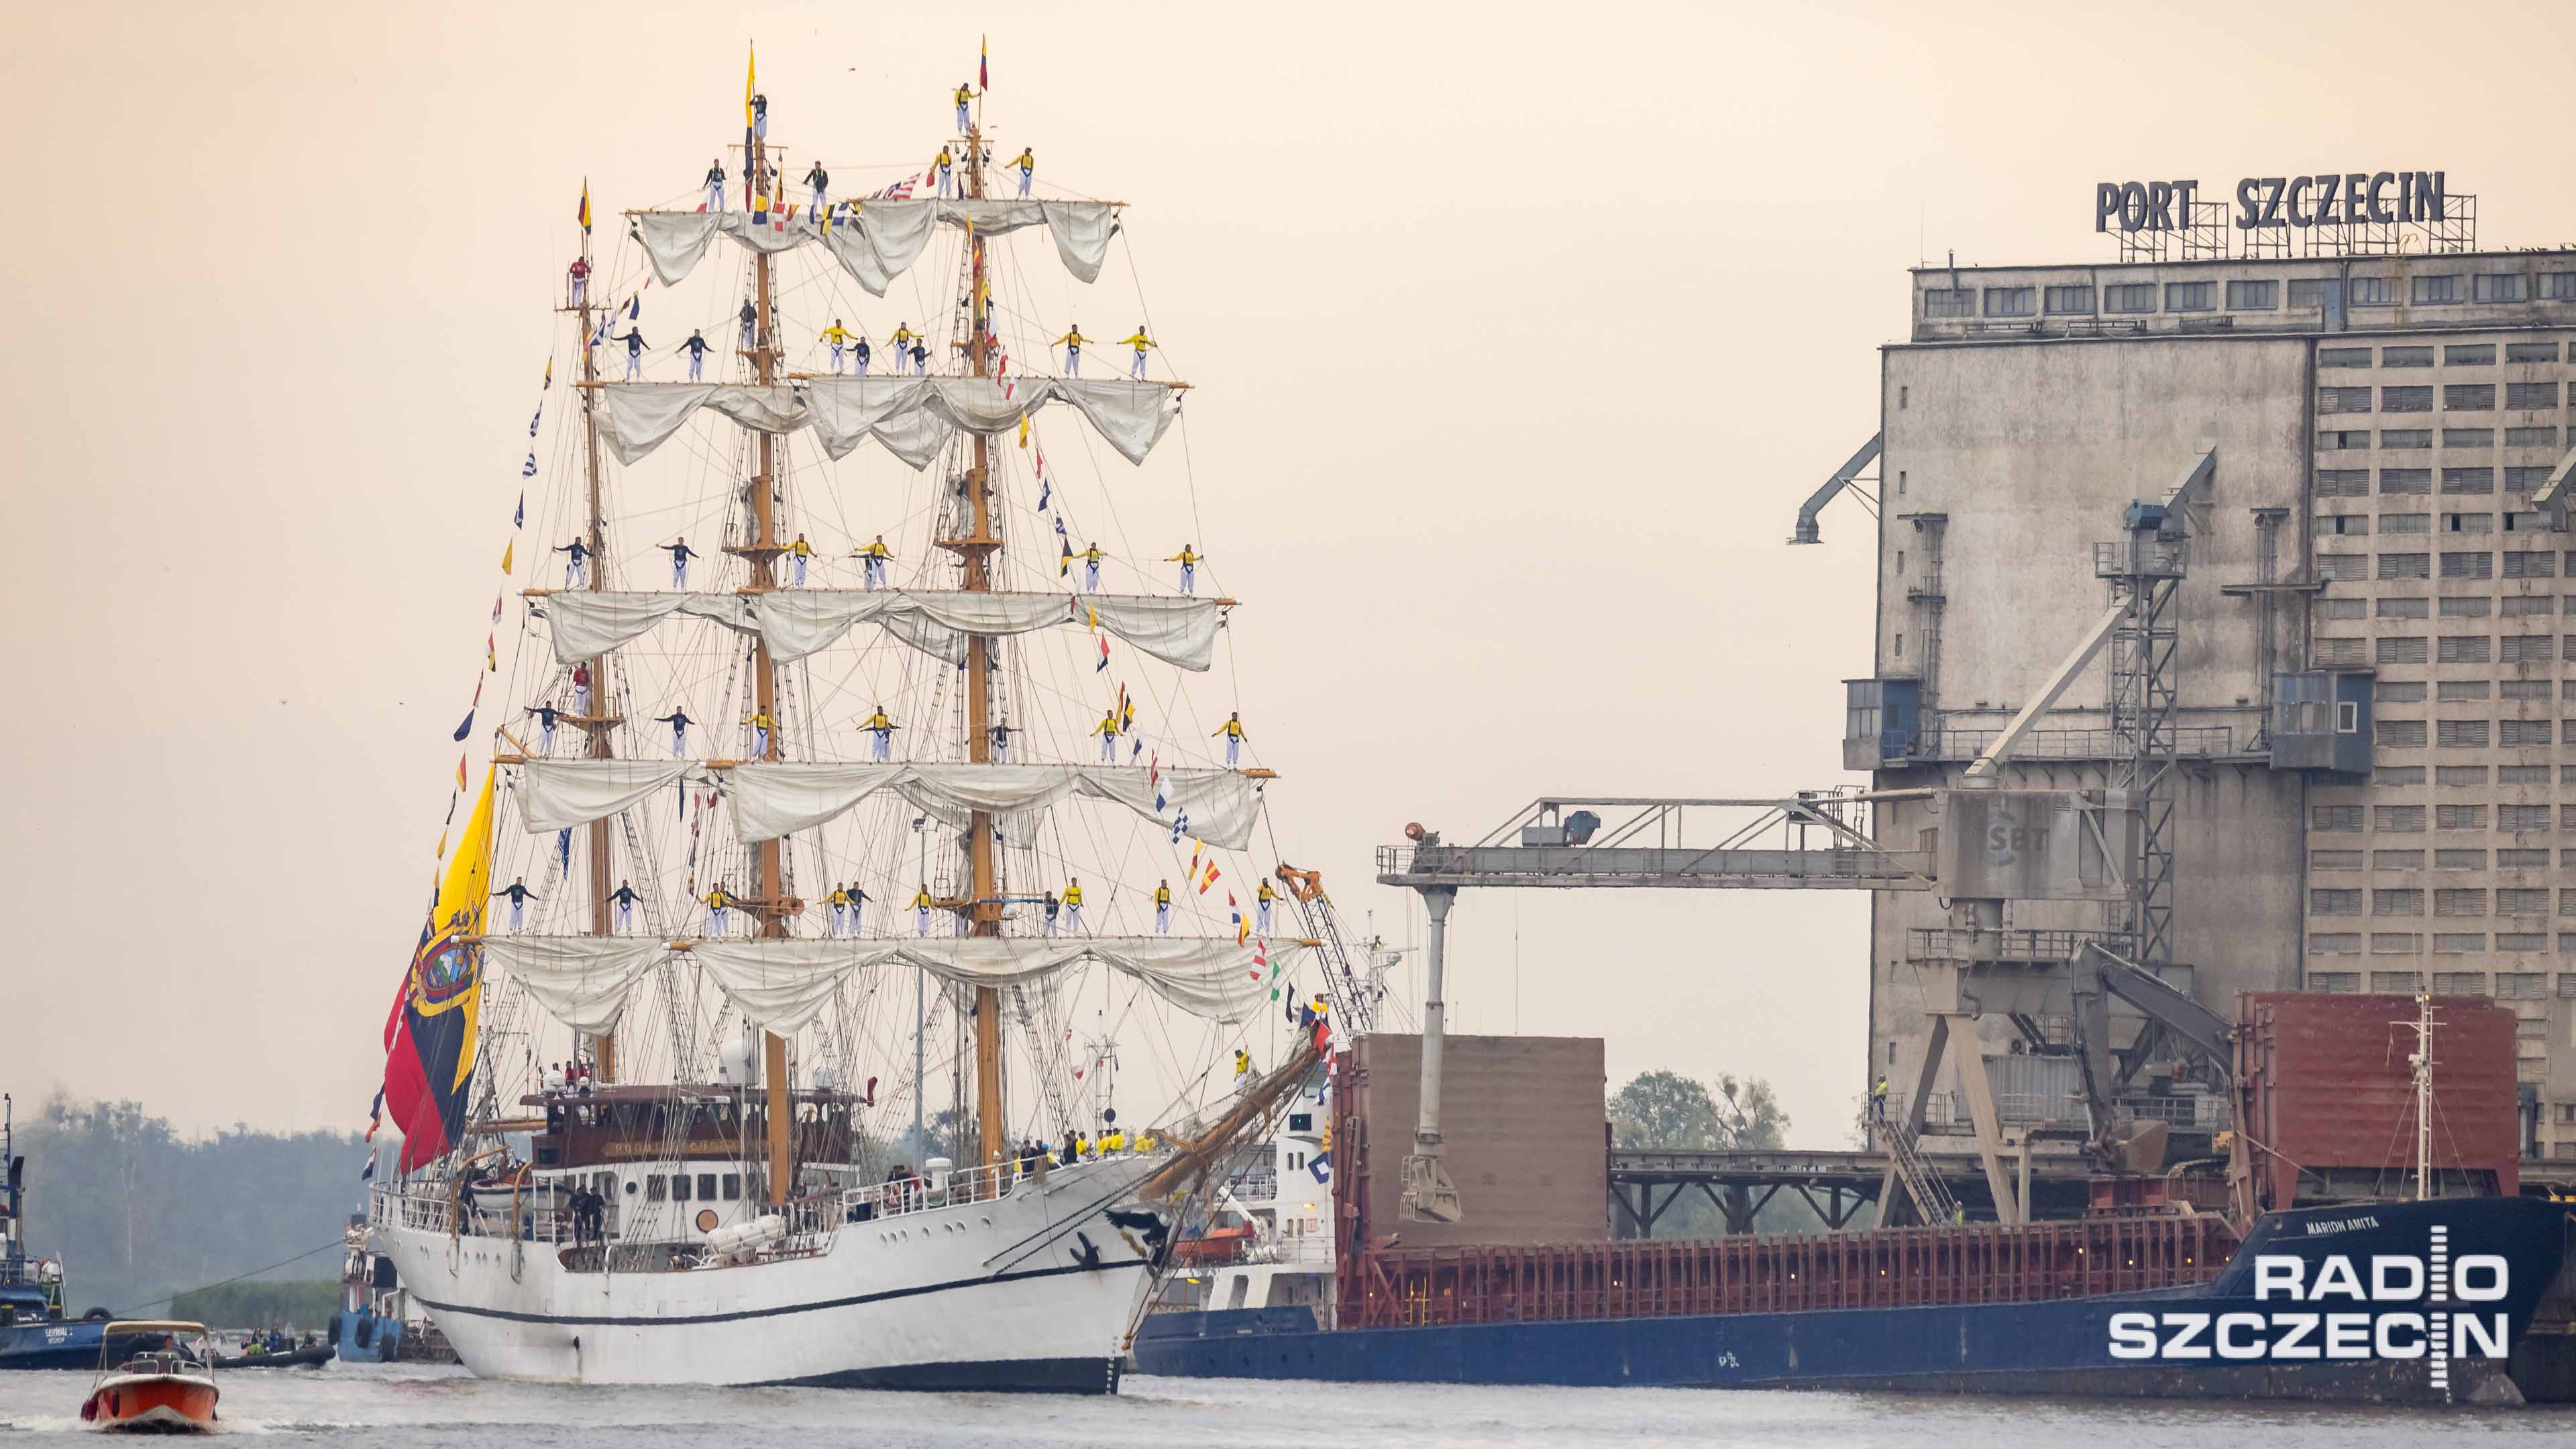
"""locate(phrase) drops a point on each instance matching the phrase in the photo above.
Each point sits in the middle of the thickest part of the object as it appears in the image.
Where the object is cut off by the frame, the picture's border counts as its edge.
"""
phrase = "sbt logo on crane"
(2386, 1306)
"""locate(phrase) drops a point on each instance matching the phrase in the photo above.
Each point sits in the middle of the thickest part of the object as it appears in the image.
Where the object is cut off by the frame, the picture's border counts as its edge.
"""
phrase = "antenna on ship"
(2421, 1060)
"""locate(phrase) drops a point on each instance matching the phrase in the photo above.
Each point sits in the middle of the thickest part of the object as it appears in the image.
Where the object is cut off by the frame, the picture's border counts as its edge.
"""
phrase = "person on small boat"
(1002, 742)
(872, 560)
(1091, 558)
(580, 271)
(545, 714)
(920, 360)
(519, 895)
(839, 901)
(581, 690)
(1242, 1065)
(1053, 905)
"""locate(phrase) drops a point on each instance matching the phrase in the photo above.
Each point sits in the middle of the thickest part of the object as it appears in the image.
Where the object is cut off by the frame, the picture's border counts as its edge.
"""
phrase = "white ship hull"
(1033, 1291)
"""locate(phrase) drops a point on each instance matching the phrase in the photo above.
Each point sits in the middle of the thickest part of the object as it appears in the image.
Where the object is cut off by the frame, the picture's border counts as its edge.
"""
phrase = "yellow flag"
(1095, 618)
(1024, 430)
(506, 550)
(750, 80)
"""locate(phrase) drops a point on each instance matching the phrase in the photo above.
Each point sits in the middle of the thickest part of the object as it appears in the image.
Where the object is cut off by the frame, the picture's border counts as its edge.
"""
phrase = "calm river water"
(405, 1405)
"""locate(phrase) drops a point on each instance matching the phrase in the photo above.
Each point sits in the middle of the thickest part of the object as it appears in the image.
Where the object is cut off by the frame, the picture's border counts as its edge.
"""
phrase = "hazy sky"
(1520, 331)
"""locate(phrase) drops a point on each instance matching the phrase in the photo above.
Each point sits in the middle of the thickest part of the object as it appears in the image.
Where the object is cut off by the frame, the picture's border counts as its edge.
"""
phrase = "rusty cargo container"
(1524, 1128)
(2329, 1098)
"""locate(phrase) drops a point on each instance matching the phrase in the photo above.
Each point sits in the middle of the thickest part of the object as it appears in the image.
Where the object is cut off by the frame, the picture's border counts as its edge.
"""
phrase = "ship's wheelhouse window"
(732, 1186)
(679, 1187)
(706, 1186)
(656, 1188)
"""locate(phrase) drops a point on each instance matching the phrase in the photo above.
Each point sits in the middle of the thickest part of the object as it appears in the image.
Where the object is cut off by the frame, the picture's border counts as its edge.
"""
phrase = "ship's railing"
(1303, 1250)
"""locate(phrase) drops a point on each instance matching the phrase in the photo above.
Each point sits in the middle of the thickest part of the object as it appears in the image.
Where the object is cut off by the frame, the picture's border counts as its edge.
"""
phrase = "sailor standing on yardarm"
(680, 553)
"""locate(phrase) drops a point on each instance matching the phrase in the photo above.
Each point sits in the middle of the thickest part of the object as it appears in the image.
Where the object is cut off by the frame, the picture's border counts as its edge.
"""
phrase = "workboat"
(639, 1084)
(166, 1387)
(35, 1332)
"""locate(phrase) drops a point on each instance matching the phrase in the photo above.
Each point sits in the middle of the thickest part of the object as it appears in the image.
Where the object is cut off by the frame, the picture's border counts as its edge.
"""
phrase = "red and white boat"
(165, 1387)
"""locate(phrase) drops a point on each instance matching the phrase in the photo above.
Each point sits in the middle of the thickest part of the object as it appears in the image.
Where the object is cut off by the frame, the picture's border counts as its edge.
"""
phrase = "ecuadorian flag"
(430, 1035)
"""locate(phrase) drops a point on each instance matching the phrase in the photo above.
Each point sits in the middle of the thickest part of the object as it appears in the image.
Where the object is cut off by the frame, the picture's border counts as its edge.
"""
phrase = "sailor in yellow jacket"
(1189, 563)
(1027, 164)
(1242, 1067)
(839, 337)
(1073, 905)
(1140, 342)
(760, 722)
(1072, 342)
(903, 338)
(1163, 909)
(872, 563)
(965, 94)
(921, 910)
(880, 734)
(1232, 729)
(939, 166)
(801, 551)
(1107, 729)
(1261, 900)
(1091, 558)
(719, 901)
(839, 901)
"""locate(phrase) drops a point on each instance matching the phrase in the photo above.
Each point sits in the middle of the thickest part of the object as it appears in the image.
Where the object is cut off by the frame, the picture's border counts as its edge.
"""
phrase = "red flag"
(1211, 878)
(983, 64)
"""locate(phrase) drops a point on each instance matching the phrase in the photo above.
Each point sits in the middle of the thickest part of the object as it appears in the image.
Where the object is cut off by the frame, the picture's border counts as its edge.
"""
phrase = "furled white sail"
(885, 237)
(560, 794)
(912, 417)
(798, 622)
(581, 981)
(782, 984)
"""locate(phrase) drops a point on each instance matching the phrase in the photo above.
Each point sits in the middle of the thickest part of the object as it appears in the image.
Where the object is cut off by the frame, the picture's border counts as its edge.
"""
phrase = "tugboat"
(33, 1332)
(166, 1388)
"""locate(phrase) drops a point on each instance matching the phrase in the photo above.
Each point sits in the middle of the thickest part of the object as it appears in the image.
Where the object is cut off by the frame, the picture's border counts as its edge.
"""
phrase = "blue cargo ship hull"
(55, 1344)
(2249, 1333)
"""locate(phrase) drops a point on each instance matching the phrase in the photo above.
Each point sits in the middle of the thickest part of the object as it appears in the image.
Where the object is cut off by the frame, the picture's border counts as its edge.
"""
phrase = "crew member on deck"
(679, 722)
(624, 898)
(1027, 163)
(1232, 729)
(580, 270)
(760, 723)
(1189, 563)
(1261, 900)
(715, 186)
(881, 734)
(545, 714)
(872, 559)
(750, 316)
(1140, 342)
(1072, 342)
(965, 93)
(939, 167)
(696, 347)
(1878, 1098)
(1242, 1065)
(718, 902)
(1073, 905)
(1107, 729)
(839, 337)
(921, 910)
(1002, 742)
(1163, 908)
(821, 181)
(1091, 557)
(902, 339)
(519, 895)
(680, 553)
(634, 340)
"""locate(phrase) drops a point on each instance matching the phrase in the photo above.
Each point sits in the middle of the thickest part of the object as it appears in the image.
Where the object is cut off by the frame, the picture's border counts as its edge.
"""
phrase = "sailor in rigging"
(839, 337)
(859, 899)
(920, 359)
(580, 281)
(696, 347)
(1107, 729)
(760, 723)
(1261, 900)
(1163, 908)
(519, 895)
(680, 553)
(1072, 342)
(679, 722)
(1002, 742)
(760, 117)
(574, 566)
(872, 559)
(1027, 163)
(750, 316)
(839, 901)
(902, 339)
(1073, 905)
(1140, 342)
(1053, 906)
(715, 186)
(1091, 557)
(860, 350)
(634, 340)
(1242, 1067)
(800, 550)
(821, 181)
(624, 898)
(1189, 563)
(921, 910)
(965, 93)
(881, 734)
(718, 902)
(581, 689)
(939, 166)
(1232, 729)
(545, 714)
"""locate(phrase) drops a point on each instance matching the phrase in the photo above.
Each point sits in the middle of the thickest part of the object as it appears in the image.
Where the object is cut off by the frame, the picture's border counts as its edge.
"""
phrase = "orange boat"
(167, 1387)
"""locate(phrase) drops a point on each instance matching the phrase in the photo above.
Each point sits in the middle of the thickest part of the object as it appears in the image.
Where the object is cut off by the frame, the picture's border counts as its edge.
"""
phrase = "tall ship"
(840, 800)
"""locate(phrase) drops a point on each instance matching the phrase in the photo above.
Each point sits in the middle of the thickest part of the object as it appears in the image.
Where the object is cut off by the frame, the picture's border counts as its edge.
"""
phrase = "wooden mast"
(603, 1046)
(982, 896)
(763, 555)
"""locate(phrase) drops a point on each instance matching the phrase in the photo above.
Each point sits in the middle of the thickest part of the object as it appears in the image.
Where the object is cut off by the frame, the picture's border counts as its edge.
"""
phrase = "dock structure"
(1648, 1182)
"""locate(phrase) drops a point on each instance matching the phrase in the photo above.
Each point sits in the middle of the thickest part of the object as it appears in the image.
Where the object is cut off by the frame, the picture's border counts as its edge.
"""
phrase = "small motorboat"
(311, 1357)
(166, 1386)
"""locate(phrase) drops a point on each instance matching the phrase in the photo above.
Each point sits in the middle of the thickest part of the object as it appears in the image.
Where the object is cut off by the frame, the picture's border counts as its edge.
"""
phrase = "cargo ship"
(2415, 1298)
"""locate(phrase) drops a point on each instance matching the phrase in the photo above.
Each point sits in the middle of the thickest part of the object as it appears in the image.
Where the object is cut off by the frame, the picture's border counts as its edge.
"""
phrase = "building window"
(2461, 817)
(2522, 985)
(2334, 983)
(2395, 983)
(2468, 480)
(2334, 860)
(2416, 399)
(2525, 859)
(2397, 860)
(2334, 902)
(2405, 523)
(2402, 608)
(2340, 356)
(680, 1187)
(2408, 902)
(2343, 399)
(2393, 649)
(2191, 296)
(2406, 437)
(2309, 292)
(2466, 438)
(2406, 357)
(2531, 352)
(2503, 287)
(2558, 286)
(2520, 818)
(2468, 565)
(2334, 817)
(2468, 397)
(2394, 691)
(2522, 734)
(2339, 651)
(2374, 292)
(2532, 565)
(1902, 395)
(1949, 302)
(2459, 901)
(2343, 482)
(2469, 354)
(2129, 297)
(2462, 691)
(2011, 301)
(2343, 525)
(2338, 441)
(2253, 296)
(2406, 480)
(2439, 291)
(2399, 819)
(2468, 523)
(2460, 777)
(2459, 983)
(2531, 394)
(2519, 648)
(2070, 301)
(2341, 609)
(2531, 437)
(2462, 734)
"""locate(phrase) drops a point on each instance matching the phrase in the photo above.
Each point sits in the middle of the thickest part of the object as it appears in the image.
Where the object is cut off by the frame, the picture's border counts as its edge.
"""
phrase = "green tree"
(1667, 1109)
